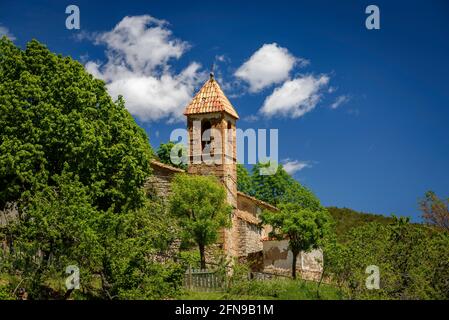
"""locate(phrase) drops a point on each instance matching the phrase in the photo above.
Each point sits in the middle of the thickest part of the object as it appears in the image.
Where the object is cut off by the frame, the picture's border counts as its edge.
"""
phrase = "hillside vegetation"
(347, 219)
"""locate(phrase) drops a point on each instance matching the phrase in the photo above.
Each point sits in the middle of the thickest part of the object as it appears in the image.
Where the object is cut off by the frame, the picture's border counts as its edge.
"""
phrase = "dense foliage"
(164, 151)
(59, 227)
(55, 116)
(276, 188)
(74, 162)
(346, 219)
(413, 261)
(282, 289)
(244, 181)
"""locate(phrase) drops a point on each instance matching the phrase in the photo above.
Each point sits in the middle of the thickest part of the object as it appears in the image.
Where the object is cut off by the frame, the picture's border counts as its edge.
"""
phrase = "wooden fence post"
(190, 277)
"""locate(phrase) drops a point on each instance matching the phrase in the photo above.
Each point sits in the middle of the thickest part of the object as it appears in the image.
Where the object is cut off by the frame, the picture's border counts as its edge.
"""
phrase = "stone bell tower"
(211, 124)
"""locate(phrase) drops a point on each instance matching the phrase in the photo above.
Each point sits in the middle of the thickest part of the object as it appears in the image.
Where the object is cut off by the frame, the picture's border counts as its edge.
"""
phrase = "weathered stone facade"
(250, 233)
(159, 182)
(279, 259)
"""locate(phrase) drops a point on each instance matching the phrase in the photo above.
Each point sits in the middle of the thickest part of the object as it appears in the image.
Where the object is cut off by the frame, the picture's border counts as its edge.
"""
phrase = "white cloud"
(339, 101)
(222, 58)
(294, 98)
(138, 52)
(5, 32)
(293, 166)
(269, 65)
(331, 89)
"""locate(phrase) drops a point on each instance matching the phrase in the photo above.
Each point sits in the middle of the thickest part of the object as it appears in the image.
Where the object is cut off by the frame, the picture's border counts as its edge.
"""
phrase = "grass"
(277, 289)
(193, 295)
(53, 288)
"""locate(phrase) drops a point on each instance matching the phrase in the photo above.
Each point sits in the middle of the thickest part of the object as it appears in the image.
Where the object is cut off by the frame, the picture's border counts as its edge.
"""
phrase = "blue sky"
(378, 151)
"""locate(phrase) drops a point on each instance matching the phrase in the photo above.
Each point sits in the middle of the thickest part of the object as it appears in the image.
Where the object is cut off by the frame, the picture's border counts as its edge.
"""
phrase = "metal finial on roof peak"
(210, 99)
(211, 74)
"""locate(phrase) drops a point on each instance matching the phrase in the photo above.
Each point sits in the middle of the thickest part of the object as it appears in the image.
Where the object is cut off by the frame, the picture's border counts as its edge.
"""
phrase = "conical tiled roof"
(210, 98)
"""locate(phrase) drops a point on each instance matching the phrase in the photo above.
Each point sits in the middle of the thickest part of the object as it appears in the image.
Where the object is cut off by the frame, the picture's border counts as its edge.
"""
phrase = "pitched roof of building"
(210, 98)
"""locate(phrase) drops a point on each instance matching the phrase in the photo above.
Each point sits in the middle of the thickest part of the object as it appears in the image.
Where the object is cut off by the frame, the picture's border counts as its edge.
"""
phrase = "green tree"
(52, 114)
(58, 226)
(75, 162)
(303, 228)
(244, 182)
(131, 242)
(281, 188)
(163, 154)
(200, 204)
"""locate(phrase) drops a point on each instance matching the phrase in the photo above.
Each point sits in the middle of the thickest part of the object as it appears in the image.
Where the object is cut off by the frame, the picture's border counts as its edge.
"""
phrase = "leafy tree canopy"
(164, 151)
(55, 115)
(435, 210)
(303, 228)
(244, 182)
(346, 219)
(413, 261)
(200, 204)
(278, 188)
(60, 227)
(75, 162)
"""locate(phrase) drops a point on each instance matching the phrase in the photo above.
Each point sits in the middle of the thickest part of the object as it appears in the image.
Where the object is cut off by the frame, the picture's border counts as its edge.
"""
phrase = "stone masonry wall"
(278, 259)
(249, 233)
(158, 184)
(249, 238)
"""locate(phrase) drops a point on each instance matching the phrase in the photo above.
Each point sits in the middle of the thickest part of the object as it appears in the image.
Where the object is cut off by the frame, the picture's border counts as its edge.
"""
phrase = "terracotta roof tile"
(210, 98)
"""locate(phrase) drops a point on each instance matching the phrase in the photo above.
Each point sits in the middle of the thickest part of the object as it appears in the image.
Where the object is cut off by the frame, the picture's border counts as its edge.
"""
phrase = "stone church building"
(246, 238)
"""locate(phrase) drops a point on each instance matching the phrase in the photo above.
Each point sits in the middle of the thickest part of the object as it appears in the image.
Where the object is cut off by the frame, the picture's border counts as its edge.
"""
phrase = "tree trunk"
(202, 256)
(321, 280)
(295, 256)
(67, 294)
